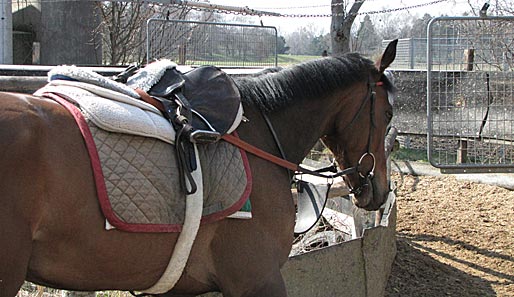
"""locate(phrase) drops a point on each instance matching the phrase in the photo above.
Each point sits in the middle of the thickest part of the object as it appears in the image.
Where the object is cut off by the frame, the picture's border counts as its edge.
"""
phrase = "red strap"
(258, 152)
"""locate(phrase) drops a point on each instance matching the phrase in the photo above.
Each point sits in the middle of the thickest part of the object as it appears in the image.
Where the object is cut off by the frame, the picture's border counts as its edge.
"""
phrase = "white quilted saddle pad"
(142, 181)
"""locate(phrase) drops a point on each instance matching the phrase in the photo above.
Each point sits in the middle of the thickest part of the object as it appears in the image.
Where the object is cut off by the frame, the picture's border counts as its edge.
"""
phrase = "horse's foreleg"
(15, 246)
(274, 286)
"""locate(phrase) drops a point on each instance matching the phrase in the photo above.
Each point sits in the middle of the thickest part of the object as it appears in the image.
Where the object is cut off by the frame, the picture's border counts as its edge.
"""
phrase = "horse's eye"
(389, 114)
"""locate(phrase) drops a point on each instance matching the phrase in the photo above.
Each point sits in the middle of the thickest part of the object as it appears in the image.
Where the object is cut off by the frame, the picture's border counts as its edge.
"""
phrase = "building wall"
(64, 31)
(22, 48)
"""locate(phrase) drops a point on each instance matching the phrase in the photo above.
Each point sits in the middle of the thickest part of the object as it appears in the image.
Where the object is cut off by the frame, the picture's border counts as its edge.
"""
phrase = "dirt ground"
(454, 238)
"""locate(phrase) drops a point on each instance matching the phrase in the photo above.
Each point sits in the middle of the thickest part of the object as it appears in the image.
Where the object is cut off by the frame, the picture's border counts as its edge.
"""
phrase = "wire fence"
(411, 53)
(221, 44)
(470, 93)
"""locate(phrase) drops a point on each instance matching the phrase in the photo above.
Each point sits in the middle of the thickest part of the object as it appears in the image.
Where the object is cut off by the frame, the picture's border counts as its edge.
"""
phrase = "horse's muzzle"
(370, 197)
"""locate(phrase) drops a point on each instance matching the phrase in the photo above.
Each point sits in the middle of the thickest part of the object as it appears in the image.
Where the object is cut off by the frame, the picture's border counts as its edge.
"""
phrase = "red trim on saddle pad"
(101, 189)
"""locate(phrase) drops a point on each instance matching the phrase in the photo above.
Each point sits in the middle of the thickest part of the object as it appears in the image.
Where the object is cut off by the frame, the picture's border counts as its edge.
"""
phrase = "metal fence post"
(411, 53)
(6, 43)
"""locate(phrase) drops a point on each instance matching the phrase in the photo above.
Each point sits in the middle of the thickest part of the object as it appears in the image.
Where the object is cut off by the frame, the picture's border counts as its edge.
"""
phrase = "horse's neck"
(299, 126)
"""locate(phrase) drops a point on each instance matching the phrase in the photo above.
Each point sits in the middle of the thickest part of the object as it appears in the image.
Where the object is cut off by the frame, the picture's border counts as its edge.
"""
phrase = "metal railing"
(410, 53)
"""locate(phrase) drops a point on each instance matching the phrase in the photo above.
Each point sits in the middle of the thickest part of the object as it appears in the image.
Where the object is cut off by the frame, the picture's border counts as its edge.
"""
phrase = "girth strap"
(149, 99)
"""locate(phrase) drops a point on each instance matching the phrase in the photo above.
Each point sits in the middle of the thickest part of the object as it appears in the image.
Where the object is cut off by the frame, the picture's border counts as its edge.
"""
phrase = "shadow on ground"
(416, 273)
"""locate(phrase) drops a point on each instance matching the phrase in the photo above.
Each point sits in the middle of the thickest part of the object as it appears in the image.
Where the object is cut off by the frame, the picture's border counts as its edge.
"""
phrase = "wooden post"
(6, 33)
(36, 53)
(182, 54)
(469, 58)
(462, 151)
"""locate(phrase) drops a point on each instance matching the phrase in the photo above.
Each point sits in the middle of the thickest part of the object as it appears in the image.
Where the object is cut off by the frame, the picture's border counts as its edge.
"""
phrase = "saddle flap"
(211, 93)
(311, 202)
(171, 80)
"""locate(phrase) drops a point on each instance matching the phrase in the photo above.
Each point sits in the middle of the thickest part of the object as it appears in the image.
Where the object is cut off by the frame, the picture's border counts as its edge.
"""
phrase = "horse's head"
(358, 134)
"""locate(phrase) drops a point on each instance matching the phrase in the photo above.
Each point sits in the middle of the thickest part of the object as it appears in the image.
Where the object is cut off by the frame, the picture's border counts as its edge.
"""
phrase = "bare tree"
(306, 40)
(494, 40)
(499, 7)
(122, 29)
(342, 22)
(367, 40)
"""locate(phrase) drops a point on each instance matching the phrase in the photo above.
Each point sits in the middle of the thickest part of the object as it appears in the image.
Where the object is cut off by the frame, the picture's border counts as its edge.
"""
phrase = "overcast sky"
(451, 7)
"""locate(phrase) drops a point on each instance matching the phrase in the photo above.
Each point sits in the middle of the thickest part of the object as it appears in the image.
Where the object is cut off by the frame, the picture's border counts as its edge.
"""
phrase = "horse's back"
(36, 135)
(29, 136)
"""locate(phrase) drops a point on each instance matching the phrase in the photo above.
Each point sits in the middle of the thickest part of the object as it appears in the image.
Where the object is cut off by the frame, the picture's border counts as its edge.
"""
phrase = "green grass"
(405, 154)
(282, 60)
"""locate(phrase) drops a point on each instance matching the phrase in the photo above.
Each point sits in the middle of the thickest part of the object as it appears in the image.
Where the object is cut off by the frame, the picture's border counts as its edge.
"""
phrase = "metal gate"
(470, 97)
(221, 44)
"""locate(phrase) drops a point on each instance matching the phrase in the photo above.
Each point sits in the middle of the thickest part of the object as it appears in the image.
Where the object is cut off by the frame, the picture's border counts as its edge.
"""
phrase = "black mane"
(273, 89)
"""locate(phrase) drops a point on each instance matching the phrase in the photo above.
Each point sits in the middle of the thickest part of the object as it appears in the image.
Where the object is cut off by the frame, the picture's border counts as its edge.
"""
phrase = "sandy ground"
(454, 238)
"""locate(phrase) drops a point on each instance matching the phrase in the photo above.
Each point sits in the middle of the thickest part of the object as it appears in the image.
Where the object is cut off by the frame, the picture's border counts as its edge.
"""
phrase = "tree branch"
(342, 25)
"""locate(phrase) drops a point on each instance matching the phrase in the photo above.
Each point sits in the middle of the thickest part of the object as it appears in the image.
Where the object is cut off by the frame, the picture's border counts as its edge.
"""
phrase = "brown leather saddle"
(206, 100)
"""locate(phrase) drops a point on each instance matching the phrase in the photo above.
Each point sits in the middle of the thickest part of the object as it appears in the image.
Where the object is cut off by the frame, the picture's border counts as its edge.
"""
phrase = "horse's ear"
(387, 57)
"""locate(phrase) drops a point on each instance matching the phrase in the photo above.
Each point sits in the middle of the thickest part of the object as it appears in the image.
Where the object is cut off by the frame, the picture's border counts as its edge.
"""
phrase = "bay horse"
(52, 229)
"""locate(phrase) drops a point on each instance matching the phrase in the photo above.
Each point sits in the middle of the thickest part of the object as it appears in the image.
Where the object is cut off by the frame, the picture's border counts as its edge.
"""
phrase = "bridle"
(364, 175)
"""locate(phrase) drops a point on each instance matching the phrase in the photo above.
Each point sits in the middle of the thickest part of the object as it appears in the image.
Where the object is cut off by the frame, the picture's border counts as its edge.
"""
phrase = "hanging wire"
(248, 11)
(292, 15)
(311, 6)
(389, 10)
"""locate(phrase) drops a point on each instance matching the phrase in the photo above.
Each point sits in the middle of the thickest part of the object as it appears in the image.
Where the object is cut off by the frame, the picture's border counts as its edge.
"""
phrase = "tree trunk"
(341, 26)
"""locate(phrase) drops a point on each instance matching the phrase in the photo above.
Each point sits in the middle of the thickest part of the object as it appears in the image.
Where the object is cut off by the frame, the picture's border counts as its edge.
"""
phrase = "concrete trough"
(359, 267)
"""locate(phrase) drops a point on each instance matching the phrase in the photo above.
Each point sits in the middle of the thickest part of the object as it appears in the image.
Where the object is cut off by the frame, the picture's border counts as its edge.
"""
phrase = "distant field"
(285, 60)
